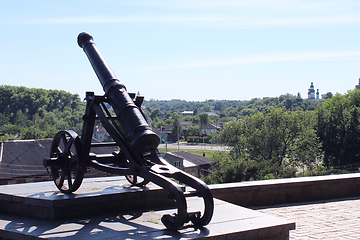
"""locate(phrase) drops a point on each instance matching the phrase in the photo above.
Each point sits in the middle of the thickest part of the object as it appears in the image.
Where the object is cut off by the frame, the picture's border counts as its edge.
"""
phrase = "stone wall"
(290, 190)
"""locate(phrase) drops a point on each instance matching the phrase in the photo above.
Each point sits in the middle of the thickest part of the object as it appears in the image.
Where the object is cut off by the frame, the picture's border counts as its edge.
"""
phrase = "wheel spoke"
(73, 161)
(67, 150)
(59, 149)
(134, 179)
(65, 141)
(61, 179)
(69, 179)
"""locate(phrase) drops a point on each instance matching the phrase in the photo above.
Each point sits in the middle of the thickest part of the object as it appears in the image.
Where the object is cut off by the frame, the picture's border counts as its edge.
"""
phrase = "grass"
(152, 221)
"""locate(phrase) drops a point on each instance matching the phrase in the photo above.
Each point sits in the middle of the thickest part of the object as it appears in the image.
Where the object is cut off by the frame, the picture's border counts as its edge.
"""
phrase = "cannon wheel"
(135, 180)
(69, 173)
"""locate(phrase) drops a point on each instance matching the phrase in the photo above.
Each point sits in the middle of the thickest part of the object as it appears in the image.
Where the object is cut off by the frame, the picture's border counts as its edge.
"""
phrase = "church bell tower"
(311, 92)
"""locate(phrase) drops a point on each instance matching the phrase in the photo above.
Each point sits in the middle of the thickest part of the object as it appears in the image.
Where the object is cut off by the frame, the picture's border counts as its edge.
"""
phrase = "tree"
(156, 113)
(339, 129)
(218, 106)
(32, 133)
(36, 113)
(226, 170)
(328, 95)
(278, 140)
(204, 120)
(193, 131)
(176, 126)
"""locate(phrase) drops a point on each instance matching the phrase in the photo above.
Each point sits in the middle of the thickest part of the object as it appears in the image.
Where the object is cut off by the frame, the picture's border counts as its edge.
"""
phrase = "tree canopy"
(226, 109)
(28, 113)
(272, 143)
(339, 128)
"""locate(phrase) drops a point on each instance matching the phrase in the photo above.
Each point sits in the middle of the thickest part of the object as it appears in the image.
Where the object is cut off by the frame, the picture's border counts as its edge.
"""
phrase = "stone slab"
(229, 222)
(95, 196)
(101, 209)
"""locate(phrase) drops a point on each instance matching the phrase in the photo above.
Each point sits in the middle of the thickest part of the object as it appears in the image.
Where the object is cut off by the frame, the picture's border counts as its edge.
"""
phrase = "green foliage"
(268, 145)
(218, 106)
(229, 110)
(226, 169)
(193, 131)
(276, 136)
(204, 120)
(176, 126)
(328, 95)
(339, 128)
(28, 113)
(271, 137)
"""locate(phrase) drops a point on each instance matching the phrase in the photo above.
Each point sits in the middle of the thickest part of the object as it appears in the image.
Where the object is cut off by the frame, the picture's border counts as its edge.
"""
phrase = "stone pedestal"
(108, 208)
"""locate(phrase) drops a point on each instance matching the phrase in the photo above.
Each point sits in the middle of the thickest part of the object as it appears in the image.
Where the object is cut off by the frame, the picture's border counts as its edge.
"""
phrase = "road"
(194, 146)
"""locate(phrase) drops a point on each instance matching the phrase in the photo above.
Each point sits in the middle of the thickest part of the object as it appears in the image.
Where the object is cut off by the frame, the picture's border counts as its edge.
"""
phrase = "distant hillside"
(231, 108)
(27, 113)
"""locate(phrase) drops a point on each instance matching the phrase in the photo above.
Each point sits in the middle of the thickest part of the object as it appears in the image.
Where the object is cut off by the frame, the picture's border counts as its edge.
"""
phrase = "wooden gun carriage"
(138, 158)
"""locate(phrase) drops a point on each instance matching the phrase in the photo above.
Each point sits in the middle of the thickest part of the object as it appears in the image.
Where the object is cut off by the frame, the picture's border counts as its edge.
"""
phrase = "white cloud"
(293, 7)
(251, 59)
(216, 13)
(118, 19)
(238, 22)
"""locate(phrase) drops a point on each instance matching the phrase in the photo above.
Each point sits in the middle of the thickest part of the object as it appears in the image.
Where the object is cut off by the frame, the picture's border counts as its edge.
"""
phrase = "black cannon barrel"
(136, 129)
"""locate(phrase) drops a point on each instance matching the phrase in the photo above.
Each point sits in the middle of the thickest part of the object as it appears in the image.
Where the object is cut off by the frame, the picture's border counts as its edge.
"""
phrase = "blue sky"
(191, 50)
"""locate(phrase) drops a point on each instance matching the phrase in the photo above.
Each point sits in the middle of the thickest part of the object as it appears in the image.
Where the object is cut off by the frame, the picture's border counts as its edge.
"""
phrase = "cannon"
(137, 157)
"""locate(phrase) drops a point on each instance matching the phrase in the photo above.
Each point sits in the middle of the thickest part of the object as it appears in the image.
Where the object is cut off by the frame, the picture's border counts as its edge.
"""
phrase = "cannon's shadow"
(121, 226)
(116, 225)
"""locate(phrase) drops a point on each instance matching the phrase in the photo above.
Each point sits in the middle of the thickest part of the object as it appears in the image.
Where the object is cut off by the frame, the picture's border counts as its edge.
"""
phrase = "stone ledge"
(290, 190)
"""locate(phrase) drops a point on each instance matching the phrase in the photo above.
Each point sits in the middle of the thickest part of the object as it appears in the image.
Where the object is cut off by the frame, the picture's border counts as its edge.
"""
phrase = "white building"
(311, 92)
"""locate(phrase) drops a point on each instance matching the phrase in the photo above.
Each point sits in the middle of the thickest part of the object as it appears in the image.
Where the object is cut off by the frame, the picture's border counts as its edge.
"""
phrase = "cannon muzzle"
(135, 128)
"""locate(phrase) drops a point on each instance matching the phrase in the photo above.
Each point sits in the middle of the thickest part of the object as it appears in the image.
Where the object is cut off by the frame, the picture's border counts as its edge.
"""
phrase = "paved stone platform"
(229, 221)
(334, 219)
